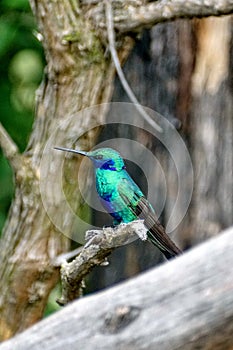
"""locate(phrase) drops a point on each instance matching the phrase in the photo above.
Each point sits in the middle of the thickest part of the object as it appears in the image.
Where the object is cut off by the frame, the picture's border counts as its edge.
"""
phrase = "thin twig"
(9, 148)
(112, 47)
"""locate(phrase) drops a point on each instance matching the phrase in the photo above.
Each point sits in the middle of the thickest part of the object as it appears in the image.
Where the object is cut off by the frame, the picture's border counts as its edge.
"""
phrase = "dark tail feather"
(156, 232)
(161, 240)
(169, 255)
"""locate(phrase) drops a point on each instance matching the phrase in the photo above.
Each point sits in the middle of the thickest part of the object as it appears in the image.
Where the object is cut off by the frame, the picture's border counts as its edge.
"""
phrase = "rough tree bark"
(185, 304)
(79, 74)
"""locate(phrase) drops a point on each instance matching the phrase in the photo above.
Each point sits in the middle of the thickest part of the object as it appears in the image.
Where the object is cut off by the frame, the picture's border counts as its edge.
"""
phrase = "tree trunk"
(77, 75)
(212, 125)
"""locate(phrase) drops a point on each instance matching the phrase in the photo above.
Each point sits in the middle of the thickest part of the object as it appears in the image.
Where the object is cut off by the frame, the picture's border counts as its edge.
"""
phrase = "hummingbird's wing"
(134, 199)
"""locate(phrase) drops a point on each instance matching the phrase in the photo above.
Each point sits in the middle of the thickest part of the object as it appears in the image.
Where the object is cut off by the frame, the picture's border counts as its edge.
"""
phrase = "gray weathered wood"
(184, 304)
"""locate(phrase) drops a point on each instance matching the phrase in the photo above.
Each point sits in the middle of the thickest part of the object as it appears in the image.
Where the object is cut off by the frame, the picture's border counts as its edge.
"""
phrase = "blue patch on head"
(108, 165)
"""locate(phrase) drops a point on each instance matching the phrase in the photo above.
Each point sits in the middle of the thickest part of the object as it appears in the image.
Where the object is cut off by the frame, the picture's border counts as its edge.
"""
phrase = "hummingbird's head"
(103, 158)
(107, 158)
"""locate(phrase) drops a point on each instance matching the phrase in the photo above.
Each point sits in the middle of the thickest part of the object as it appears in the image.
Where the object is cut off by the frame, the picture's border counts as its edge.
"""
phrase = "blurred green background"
(21, 69)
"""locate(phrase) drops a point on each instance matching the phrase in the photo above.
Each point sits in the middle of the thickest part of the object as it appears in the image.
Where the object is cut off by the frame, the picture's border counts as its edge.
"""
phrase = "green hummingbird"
(123, 199)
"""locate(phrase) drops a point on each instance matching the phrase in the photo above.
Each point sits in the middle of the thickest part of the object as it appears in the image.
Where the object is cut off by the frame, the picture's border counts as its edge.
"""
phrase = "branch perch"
(186, 303)
(99, 245)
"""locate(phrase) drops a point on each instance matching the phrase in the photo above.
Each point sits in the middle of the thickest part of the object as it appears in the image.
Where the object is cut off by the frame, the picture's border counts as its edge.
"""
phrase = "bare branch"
(133, 16)
(166, 10)
(127, 88)
(186, 304)
(9, 148)
(94, 252)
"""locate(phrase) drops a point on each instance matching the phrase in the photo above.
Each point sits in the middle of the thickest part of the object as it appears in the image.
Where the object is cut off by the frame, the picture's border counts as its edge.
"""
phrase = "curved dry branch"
(125, 84)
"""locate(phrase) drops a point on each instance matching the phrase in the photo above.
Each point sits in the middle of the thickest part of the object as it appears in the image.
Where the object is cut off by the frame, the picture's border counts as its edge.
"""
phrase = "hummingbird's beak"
(71, 150)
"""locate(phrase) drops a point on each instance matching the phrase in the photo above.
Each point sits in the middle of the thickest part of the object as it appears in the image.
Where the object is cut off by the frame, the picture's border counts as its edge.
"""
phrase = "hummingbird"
(123, 199)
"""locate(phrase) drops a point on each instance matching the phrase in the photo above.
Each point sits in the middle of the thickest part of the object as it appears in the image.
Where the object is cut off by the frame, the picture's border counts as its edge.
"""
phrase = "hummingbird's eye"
(99, 156)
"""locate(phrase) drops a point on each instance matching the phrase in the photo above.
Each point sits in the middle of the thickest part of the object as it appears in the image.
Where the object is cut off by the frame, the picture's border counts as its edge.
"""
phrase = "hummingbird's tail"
(158, 236)
(156, 232)
(169, 256)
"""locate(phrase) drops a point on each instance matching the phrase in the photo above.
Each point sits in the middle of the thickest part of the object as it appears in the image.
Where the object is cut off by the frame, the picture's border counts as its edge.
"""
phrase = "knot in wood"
(120, 318)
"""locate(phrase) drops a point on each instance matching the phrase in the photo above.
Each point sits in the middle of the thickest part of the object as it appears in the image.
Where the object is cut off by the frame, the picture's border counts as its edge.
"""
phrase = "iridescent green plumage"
(123, 199)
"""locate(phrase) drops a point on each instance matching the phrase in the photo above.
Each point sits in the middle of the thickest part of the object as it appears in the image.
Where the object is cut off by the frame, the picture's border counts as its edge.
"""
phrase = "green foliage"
(6, 188)
(21, 69)
(52, 305)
